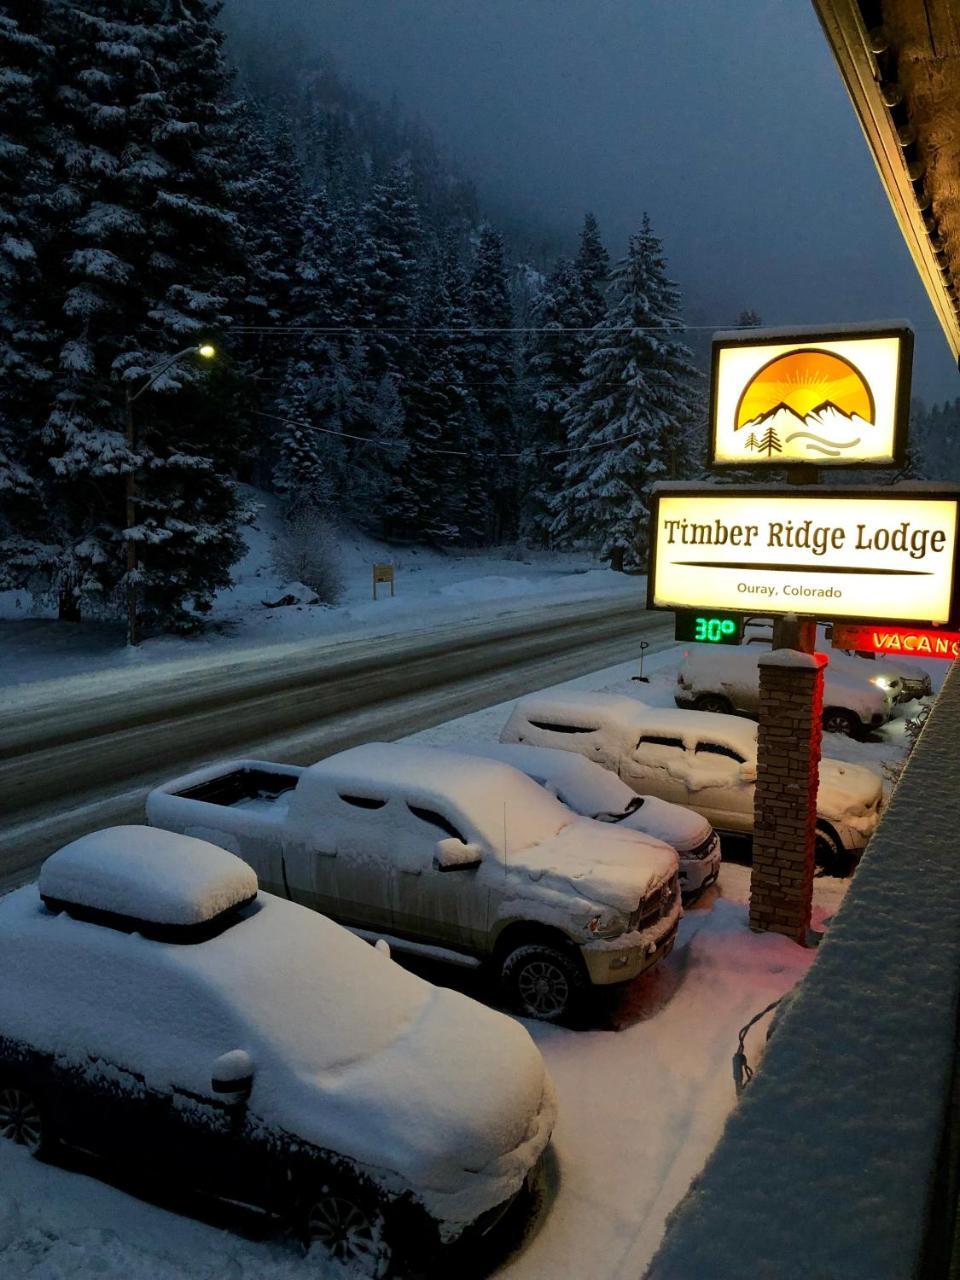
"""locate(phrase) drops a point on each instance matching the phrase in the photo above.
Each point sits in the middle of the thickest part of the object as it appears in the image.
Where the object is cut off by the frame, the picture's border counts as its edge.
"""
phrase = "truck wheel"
(837, 720)
(713, 702)
(344, 1225)
(830, 854)
(542, 981)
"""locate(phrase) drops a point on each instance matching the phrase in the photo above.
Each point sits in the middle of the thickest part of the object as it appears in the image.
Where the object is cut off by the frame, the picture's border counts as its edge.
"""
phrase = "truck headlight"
(607, 924)
(880, 681)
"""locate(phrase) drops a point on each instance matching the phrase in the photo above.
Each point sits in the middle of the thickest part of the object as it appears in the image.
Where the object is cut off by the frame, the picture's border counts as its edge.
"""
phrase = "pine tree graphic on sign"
(752, 442)
(770, 442)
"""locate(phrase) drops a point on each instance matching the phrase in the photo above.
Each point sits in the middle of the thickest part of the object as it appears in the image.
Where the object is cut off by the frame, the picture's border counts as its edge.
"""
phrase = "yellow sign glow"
(830, 553)
(830, 401)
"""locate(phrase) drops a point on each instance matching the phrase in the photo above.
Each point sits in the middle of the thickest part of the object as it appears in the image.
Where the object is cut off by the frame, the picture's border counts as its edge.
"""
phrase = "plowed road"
(82, 753)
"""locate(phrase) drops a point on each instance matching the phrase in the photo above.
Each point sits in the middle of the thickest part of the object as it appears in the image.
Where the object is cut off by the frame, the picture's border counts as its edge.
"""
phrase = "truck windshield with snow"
(446, 855)
(159, 1010)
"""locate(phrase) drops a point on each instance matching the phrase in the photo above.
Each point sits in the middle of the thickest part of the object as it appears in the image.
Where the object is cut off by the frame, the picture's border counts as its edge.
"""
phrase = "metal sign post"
(802, 400)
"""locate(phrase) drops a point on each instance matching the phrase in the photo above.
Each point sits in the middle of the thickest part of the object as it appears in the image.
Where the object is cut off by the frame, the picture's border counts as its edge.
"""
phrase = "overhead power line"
(379, 442)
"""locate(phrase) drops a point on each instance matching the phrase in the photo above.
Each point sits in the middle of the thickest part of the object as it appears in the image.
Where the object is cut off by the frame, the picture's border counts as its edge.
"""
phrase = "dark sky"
(726, 119)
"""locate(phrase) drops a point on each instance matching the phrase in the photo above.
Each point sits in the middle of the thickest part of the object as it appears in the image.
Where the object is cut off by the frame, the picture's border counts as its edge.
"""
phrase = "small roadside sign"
(383, 574)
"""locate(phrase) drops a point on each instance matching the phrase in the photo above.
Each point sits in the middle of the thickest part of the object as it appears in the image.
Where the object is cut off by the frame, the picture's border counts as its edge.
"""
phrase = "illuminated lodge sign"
(835, 399)
(909, 640)
(884, 555)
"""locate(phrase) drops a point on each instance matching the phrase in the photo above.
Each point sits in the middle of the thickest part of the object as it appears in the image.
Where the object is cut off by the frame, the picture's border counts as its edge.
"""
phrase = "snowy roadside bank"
(431, 588)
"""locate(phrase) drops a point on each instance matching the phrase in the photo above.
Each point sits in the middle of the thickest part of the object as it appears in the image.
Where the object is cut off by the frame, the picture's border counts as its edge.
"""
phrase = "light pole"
(207, 352)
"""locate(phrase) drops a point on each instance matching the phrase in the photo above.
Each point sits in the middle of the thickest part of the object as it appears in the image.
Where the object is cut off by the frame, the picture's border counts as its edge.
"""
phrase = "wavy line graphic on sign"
(809, 395)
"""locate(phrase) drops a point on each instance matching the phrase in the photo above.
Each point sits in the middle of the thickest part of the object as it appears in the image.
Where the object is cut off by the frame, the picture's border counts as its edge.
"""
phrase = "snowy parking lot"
(644, 1090)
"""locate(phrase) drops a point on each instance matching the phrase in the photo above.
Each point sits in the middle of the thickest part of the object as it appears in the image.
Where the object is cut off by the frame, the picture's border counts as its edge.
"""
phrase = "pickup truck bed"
(252, 785)
(243, 806)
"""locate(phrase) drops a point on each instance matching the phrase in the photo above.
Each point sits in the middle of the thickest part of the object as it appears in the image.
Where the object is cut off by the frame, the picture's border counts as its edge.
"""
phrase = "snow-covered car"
(700, 759)
(595, 792)
(445, 855)
(726, 679)
(904, 680)
(914, 681)
(157, 1008)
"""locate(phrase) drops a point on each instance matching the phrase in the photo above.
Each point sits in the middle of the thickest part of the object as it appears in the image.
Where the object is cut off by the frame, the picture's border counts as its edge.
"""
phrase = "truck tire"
(543, 982)
(714, 702)
(839, 720)
(830, 854)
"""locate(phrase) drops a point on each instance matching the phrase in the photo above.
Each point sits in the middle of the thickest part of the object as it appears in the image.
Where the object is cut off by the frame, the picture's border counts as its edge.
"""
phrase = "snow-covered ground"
(429, 584)
(643, 1098)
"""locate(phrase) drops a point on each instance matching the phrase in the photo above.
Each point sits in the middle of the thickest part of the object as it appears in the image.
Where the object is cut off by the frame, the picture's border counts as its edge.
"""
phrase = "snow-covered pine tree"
(428, 498)
(637, 393)
(491, 376)
(388, 267)
(473, 481)
(26, 335)
(593, 267)
(553, 364)
(319, 395)
(142, 259)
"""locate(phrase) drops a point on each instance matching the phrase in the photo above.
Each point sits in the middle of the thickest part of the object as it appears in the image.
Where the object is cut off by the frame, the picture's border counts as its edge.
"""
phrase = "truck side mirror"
(232, 1077)
(454, 855)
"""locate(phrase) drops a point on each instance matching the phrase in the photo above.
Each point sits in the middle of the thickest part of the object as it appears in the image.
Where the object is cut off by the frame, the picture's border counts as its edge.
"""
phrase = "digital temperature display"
(709, 627)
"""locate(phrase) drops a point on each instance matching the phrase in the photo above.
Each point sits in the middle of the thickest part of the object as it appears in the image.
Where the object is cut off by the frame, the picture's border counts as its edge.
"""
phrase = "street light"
(207, 352)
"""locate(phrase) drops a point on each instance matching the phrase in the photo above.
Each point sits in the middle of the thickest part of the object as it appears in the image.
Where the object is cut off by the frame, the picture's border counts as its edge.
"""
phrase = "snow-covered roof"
(628, 715)
(482, 791)
(142, 873)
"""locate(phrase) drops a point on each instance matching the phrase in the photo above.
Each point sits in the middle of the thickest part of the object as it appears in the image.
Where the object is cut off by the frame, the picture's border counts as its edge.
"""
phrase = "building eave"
(916, 176)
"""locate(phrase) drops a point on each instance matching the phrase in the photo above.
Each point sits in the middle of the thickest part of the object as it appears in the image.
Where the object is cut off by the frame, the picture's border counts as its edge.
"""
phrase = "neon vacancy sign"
(885, 555)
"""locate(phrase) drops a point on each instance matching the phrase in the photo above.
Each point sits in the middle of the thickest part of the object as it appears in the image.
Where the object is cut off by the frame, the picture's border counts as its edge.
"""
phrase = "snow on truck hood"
(846, 789)
(606, 864)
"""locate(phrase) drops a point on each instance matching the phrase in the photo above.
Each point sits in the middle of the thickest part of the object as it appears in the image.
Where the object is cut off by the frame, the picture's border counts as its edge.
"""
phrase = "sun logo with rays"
(814, 397)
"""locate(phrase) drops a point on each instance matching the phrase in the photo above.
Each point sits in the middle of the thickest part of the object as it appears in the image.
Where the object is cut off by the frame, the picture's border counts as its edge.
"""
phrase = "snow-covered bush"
(306, 550)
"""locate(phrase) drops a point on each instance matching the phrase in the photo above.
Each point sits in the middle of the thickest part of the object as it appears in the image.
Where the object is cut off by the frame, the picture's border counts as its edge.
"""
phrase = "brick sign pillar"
(785, 804)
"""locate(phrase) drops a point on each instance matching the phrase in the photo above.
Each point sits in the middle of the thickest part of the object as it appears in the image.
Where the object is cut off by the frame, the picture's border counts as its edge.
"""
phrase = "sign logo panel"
(883, 555)
(828, 400)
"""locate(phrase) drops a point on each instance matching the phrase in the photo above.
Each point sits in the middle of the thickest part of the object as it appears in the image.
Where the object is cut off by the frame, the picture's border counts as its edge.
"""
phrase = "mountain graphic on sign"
(813, 397)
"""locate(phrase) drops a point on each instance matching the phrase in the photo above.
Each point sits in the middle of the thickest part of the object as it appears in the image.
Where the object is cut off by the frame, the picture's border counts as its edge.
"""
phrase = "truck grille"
(656, 905)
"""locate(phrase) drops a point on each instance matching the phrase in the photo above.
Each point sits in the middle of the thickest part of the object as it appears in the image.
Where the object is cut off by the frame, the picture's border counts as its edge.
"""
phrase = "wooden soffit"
(900, 61)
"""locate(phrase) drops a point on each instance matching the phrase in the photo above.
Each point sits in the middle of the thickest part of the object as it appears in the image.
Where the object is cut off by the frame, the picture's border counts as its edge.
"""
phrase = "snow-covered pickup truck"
(446, 855)
(696, 758)
(160, 1011)
(725, 680)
